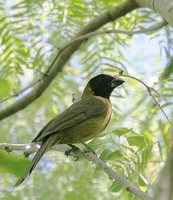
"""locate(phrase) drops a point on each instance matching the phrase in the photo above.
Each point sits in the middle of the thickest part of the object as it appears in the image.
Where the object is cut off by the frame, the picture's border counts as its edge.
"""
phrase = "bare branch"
(89, 155)
(27, 148)
(60, 60)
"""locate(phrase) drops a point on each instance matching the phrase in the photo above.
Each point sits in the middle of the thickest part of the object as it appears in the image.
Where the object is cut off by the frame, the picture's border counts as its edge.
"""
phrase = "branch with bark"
(164, 8)
(67, 51)
(61, 59)
(87, 154)
(152, 28)
(150, 90)
(165, 183)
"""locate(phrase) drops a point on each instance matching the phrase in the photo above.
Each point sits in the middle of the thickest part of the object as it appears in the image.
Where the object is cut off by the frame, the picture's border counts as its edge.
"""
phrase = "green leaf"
(95, 143)
(149, 137)
(160, 150)
(166, 89)
(116, 187)
(114, 155)
(142, 183)
(105, 154)
(4, 88)
(136, 141)
(12, 163)
(168, 71)
(121, 131)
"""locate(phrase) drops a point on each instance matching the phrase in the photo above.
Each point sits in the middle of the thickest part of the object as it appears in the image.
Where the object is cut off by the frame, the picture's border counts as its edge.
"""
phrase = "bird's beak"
(116, 82)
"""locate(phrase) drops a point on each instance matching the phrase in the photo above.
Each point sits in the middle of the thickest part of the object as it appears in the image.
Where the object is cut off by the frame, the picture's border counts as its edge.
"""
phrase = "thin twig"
(149, 89)
(20, 92)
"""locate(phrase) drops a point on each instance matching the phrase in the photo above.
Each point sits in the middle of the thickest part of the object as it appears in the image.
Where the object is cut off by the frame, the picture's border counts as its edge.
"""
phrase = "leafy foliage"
(13, 164)
(138, 137)
(168, 70)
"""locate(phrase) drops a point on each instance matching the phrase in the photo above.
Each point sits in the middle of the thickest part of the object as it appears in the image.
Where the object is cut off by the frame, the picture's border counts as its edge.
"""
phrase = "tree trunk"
(163, 7)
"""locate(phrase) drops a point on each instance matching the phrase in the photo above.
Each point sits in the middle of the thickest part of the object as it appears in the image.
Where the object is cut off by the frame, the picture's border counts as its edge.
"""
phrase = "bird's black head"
(103, 84)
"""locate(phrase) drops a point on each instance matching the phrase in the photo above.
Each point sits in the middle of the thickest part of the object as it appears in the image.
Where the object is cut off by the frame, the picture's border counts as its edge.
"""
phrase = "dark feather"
(45, 146)
(75, 114)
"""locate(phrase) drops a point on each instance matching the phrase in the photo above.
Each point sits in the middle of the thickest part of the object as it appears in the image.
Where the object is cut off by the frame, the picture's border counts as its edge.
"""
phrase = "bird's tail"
(44, 147)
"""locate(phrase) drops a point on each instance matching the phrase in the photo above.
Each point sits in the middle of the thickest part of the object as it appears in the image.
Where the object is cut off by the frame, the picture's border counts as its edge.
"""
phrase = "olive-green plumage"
(82, 121)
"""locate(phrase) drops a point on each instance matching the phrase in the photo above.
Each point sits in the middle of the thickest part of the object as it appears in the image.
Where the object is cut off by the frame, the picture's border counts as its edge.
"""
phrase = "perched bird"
(82, 121)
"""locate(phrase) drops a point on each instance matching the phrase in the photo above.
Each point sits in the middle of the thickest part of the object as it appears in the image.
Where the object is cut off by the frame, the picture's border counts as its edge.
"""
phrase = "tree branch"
(150, 90)
(165, 183)
(60, 60)
(164, 8)
(90, 156)
(154, 27)
(21, 91)
(26, 148)
(116, 176)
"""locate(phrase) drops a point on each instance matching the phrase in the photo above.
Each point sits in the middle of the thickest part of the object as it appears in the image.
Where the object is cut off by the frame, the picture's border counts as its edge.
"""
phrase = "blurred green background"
(138, 136)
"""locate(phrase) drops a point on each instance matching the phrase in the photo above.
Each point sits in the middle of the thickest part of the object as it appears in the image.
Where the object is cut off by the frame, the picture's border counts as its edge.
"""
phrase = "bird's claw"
(73, 149)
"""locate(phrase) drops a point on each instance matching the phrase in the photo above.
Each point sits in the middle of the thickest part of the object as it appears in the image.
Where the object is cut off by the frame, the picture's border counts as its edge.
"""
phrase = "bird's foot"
(73, 149)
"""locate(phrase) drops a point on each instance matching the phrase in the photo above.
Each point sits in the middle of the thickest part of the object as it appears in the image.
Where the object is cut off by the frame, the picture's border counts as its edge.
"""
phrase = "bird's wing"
(75, 114)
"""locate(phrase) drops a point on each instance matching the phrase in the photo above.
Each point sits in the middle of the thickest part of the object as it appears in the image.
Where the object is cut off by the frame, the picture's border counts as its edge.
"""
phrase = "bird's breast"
(106, 116)
(90, 128)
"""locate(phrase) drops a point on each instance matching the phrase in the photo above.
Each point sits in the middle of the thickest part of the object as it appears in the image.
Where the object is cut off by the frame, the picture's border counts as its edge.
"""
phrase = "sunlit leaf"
(121, 131)
(12, 163)
(149, 137)
(116, 187)
(168, 70)
(114, 155)
(4, 88)
(142, 183)
(136, 141)
(105, 154)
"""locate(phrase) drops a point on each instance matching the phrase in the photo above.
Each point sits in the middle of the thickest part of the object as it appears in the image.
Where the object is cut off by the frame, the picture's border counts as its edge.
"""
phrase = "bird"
(82, 121)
